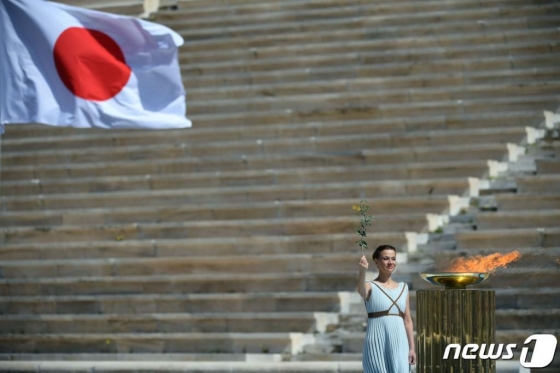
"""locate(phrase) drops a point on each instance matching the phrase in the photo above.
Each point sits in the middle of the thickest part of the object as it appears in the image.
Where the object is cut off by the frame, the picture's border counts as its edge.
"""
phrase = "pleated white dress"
(386, 345)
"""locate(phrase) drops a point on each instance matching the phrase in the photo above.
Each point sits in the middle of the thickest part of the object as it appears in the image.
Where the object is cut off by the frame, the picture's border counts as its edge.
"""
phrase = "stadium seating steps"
(230, 246)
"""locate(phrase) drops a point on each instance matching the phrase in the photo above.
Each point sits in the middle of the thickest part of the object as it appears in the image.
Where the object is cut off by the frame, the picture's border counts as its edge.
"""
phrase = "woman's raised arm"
(364, 287)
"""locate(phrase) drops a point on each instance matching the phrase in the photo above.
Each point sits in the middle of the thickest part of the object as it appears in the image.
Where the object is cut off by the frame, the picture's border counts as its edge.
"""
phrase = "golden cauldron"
(455, 280)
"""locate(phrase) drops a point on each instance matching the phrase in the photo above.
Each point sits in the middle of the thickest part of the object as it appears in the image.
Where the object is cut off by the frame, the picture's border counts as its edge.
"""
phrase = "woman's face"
(387, 261)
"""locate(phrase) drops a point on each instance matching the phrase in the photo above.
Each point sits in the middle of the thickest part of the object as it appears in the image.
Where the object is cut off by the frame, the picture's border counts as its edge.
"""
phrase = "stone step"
(175, 367)
(520, 202)
(108, 5)
(501, 183)
(230, 181)
(429, 12)
(259, 210)
(226, 323)
(23, 155)
(132, 8)
(244, 170)
(193, 247)
(232, 322)
(394, 70)
(544, 184)
(544, 297)
(508, 238)
(325, 301)
(46, 137)
(122, 267)
(506, 319)
(548, 148)
(528, 319)
(308, 102)
(218, 283)
(230, 5)
(354, 342)
(379, 148)
(548, 166)
(199, 342)
(190, 4)
(189, 357)
(441, 258)
(345, 362)
(539, 46)
(361, 27)
(268, 47)
(266, 302)
(26, 137)
(23, 193)
(185, 284)
(98, 4)
(361, 111)
(154, 342)
(211, 9)
(167, 357)
(314, 188)
(234, 121)
(262, 49)
(416, 81)
(518, 219)
(216, 228)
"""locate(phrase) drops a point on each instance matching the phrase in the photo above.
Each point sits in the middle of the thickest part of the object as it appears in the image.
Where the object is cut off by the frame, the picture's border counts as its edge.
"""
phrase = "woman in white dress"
(389, 341)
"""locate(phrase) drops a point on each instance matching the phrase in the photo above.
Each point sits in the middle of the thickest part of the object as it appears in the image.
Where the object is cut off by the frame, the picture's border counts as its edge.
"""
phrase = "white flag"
(68, 66)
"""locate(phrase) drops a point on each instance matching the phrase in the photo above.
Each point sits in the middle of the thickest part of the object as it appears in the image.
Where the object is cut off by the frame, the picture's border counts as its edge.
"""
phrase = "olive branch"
(365, 221)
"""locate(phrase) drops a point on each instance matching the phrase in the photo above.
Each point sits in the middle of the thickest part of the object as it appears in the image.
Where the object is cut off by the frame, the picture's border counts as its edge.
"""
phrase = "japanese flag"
(68, 66)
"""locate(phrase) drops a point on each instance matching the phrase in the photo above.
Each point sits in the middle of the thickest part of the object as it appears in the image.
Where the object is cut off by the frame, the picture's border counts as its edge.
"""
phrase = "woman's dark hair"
(379, 249)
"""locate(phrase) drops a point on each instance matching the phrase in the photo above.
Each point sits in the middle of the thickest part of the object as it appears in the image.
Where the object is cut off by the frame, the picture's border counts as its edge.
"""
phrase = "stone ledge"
(352, 59)
(379, 144)
(209, 228)
(349, 24)
(432, 148)
(262, 49)
(468, 65)
(226, 211)
(395, 12)
(41, 137)
(290, 263)
(410, 184)
(502, 238)
(198, 367)
(169, 248)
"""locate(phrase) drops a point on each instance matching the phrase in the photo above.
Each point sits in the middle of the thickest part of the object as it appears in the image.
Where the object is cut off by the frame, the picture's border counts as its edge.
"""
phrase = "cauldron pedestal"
(454, 316)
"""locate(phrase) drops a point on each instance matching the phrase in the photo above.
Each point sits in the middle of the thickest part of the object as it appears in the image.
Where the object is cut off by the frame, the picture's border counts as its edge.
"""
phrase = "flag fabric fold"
(67, 66)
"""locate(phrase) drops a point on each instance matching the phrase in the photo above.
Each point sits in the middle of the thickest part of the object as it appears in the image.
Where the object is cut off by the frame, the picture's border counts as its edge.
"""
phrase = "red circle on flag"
(90, 63)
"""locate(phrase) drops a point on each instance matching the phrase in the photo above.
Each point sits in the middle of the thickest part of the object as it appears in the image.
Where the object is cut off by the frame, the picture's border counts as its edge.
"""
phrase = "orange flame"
(481, 263)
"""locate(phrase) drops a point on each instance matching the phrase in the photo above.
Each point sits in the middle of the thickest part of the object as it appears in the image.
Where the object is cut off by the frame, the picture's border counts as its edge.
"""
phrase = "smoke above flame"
(483, 263)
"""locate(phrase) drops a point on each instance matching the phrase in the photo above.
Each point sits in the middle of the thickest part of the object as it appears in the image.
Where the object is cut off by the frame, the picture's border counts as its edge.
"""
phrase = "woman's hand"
(411, 357)
(363, 265)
